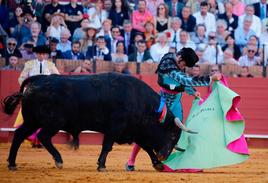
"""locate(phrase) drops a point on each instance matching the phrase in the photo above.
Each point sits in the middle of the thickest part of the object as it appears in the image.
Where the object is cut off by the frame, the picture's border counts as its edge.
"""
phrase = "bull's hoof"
(129, 168)
(12, 168)
(159, 167)
(102, 169)
(59, 165)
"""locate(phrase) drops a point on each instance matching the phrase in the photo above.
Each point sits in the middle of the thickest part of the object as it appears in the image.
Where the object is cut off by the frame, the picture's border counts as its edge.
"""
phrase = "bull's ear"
(178, 123)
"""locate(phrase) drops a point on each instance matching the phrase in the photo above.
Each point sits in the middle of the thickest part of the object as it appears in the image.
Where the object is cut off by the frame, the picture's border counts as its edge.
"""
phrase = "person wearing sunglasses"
(11, 49)
(250, 59)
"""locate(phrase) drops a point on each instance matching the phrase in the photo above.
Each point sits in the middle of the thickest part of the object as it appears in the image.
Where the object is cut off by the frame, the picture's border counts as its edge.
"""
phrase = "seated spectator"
(228, 57)
(56, 26)
(36, 35)
(230, 44)
(141, 16)
(11, 49)
(229, 17)
(85, 68)
(89, 38)
(185, 41)
(194, 5)
(111, 44)
(254, 41)
(99, 51)
(264, 40)
(242, 33)
(200, 35)
(152, 5)
(119, 12)
(160, 48)
(106, 29)
(195, 71)
(73, 13)
(79, 32)
(256, 21)
(244, 73)
(260, 8)
(128, 34)
(141, 54)
(175, 31)
(150, 34)
(27, 51)
(54, 53)
(64, 44)
(120, 67)
(214, 69)
(221, 32)
(250, 59)
(213, 53)
(97, 14)
(75, 53)
(215, 7)
(119, 55)
(162, 21)
(175, 7)
(238, 7)
(13, 64)
(200, 52)
(134, 45)
(15, 19)
(188, 21)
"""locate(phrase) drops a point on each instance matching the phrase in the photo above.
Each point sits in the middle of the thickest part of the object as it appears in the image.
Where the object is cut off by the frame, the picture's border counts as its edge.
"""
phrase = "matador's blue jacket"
(174, 81)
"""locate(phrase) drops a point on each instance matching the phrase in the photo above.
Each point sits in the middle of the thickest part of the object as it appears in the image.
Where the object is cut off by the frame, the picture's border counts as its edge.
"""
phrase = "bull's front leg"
(158, 165)
(107, 146)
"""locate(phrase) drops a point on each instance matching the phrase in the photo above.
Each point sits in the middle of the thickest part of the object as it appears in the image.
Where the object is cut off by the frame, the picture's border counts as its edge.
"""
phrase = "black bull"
(121, 107)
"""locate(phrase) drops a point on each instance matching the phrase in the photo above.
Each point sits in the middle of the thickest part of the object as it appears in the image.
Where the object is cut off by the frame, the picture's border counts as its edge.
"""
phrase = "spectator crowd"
(221, 31)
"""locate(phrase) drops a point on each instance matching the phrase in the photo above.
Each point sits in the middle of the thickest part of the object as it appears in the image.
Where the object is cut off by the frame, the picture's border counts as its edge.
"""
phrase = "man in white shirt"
(204, 17)
(39, 66)
(175, 31)
(256, 21)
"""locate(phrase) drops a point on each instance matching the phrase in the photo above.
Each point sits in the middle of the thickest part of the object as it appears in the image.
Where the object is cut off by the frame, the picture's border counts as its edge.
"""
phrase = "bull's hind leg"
(107, 146)
(45, 137)
(20, 135)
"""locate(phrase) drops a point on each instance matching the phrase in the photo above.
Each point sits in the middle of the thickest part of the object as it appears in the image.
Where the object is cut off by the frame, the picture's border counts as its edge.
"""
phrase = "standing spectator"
(238, 7)
(256, 21)
(243, 33)
(200, 36)
(230, 44)
(221, 32)
(56, 26)
(107, 5)
(119, 55)
(89, 38)
(79, 32)
(229, 17)
(73, 15)
(162, 20)
(160, 48)
(244, 73)
(15, 19)
(4, 16)
(261, 9)
(86, 4)
(75, 53)
(141, 16)
(185, 41)
(119, 12)
(213, 53)
(141, 55)
(99, 51)
(11, 49)
(13, 64)
(188, 21)
(174, 7)
(150, 34)
(36, 35)
(152, 5)
(250, 59)
(97, 14)
(27, 51)
(64, 44)
(50, 9)
(175, 31)
(204, 17)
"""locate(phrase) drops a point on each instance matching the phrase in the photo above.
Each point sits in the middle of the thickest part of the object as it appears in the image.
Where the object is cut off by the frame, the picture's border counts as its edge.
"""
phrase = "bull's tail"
(10, 102)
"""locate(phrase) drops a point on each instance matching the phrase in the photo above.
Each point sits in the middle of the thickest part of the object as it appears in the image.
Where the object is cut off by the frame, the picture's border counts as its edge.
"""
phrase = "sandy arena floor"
(37, 166)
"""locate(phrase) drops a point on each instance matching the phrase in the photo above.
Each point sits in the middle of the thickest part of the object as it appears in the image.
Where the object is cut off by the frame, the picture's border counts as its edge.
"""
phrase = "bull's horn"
(180, 125)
